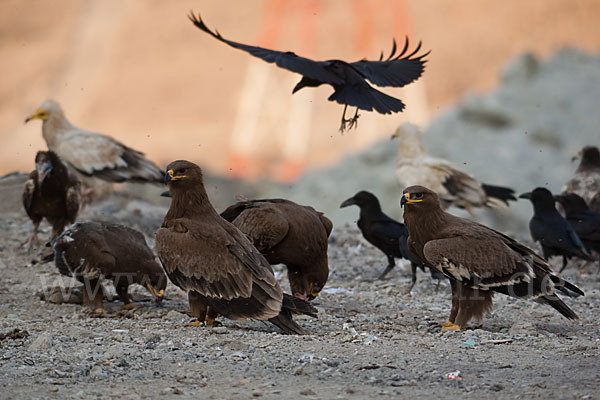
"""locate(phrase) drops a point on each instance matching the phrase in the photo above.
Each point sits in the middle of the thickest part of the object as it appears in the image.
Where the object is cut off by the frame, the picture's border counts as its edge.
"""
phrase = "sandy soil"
(371, 338)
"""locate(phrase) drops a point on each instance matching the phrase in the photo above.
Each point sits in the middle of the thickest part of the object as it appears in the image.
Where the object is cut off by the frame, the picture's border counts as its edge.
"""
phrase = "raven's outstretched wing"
(396, 70)
(287, 60)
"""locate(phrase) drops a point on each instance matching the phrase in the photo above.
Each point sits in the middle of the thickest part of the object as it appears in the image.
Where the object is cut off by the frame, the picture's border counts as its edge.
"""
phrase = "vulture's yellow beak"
(39, 114)
(407, 200)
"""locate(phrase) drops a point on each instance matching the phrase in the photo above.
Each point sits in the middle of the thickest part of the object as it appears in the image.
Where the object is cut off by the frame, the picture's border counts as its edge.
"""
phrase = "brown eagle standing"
(51, 192)
(478, 260)
(92, 251)
(215, 263)
(287, 233)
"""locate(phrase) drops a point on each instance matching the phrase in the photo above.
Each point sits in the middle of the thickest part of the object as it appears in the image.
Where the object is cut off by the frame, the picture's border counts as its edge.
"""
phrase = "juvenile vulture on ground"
(586, 182)
(215, 263)
(92, 154)
(386, 234)
(585, 221)
(454, 188)
(555, 234)
(349, 80)
(51, 192)
(92, 251)
(478, 261)
(287, 233)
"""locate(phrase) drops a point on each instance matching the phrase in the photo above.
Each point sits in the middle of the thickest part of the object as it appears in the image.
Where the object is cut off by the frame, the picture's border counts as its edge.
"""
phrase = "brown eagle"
(287, 233)
(478, 261)
(92, 251)
(51, 192)
(215, 263)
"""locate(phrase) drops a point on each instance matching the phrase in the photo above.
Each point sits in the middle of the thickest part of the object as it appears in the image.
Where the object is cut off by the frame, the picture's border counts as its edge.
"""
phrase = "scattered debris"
(453, 375)
(14, 334)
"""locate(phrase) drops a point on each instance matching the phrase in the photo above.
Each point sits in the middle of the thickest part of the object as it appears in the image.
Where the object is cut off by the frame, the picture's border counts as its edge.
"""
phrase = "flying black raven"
(348, 79)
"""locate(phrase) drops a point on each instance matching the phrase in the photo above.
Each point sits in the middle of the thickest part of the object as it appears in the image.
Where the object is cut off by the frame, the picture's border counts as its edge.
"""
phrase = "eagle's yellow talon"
(209, 321)
(445, 324)
(451, 327)
(195, 323)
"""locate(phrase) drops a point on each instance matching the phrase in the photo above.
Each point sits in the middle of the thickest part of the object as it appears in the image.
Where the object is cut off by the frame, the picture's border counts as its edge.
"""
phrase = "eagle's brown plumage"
(478, 260)
(586, 182)
(92, 251)
(287, 233)
(215, 262)
(51, 192)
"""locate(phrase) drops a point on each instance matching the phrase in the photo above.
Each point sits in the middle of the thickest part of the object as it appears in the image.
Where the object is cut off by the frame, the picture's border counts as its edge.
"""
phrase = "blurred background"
(139, 71)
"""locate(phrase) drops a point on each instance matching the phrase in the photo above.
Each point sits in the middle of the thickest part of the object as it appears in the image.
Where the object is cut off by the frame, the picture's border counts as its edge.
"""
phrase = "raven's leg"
(353, 122)
(413, 268)
(390, 266)
(564, 264)
(343, 124)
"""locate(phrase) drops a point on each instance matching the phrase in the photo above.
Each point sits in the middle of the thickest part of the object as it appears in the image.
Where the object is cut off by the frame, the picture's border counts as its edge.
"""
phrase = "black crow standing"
(555, 234)
(349, 80)
(385, 233)
(585, 221)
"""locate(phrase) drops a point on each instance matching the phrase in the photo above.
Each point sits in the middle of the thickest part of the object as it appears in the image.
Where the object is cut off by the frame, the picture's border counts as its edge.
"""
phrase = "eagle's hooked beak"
(407, 200)
(170, 176)
(312, 293)
(43, 169)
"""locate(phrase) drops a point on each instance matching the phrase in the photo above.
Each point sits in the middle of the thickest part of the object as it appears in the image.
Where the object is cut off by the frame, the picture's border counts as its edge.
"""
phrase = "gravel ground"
(371, 339)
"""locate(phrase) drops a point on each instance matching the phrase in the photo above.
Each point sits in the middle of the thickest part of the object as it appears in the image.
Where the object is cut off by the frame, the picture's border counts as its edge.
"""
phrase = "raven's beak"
(166, 193)
(298, 86)
(349, 202)
(525, 196)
